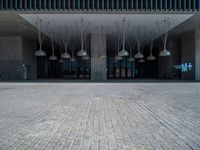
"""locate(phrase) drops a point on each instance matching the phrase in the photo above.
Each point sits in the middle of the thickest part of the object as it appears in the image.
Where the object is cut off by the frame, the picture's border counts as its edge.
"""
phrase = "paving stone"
(100, 116)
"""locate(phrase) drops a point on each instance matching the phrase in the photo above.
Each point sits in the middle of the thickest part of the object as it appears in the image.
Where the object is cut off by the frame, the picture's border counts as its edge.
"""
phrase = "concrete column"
(197, 54)
(17, 52)
(98, 57)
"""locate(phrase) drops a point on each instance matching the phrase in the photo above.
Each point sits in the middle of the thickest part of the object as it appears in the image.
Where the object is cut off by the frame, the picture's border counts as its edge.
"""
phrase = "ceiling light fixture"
(52, 57)
(139, 39)
(83, 35)
(165, 52)
(40, 52)
(150, 45)
(65, 41)
(125, 27)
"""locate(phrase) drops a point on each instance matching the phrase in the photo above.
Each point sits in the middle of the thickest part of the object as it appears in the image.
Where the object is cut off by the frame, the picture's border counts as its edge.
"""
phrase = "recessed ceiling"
(107, 20)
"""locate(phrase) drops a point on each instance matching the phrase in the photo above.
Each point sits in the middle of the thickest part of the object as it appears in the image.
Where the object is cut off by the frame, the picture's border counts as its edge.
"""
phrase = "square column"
(197, 55)
(98, 57)
(190, 54)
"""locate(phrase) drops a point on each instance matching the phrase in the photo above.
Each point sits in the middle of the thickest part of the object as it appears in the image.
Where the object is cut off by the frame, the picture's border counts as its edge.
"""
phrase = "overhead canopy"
(108, 21)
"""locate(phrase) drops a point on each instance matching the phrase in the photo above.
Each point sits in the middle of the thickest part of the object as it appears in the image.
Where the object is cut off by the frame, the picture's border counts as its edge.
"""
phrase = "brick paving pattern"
(99, 116)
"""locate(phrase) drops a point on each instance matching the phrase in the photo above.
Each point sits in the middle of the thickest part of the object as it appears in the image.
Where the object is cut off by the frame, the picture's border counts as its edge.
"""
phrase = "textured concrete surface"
(197, 54)
(105, 116)
(98, 57)
(16, 51)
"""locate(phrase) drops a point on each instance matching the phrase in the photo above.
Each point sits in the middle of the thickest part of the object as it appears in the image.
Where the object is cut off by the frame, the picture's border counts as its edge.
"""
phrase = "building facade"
(99, 39)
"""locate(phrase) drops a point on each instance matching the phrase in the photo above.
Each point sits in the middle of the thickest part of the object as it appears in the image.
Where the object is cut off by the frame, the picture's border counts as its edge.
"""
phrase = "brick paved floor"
(105, 116)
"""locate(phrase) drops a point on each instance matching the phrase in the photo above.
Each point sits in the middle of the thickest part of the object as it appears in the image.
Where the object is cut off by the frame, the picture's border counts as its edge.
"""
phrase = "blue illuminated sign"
(184, 67)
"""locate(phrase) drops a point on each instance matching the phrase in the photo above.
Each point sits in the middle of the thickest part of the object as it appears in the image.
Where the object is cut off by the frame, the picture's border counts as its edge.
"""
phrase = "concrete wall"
(175, 58)
(98, 57)
(29, 58)
(16, 51)
(188, 54)
(166, 64)
(197, 54)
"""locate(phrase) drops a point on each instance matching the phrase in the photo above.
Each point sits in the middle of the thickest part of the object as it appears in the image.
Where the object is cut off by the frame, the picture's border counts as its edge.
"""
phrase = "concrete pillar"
(188, 55)
(16, 51)
(197, 54)
(98, 57)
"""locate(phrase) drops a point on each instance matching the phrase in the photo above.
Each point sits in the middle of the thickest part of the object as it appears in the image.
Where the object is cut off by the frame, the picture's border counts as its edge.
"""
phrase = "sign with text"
(184, 67)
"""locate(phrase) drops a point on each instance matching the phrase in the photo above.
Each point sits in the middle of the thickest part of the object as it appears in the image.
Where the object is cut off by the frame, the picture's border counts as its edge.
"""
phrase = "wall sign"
(184, 67)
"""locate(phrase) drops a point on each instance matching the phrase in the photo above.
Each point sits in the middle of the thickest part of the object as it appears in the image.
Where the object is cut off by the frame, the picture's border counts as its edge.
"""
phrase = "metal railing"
(100, 5)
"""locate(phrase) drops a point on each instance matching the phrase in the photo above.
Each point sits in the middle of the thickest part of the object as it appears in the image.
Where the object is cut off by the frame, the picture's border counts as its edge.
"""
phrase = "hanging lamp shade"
(151, 57)
(53, 57)
(86, 57)
(118, 58)
(40, 53)
(165, 53)
(82, 53)
(72, 59)
(139, 55)
(123, 53)
(142, 60)
(66, 55)
(60, 60)
(131, 59)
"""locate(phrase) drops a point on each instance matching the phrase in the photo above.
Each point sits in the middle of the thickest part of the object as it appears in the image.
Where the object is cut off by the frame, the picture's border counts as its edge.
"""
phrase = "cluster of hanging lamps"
(40, 52)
